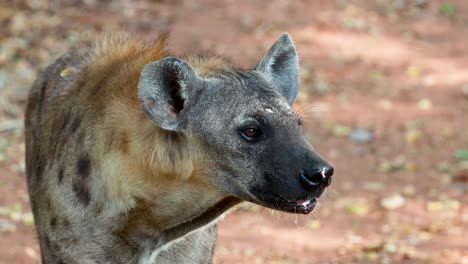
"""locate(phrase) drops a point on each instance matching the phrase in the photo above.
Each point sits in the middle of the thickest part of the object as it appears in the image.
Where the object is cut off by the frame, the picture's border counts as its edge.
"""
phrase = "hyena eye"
(251, 134)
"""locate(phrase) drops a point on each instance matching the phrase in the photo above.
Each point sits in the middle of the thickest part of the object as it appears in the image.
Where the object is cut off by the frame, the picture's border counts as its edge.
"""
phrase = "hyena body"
(132, 155)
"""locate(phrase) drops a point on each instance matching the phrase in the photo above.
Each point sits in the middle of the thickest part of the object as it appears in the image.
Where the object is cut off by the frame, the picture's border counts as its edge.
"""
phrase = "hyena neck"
(150, 175)
(156, 201)
(206, 217)
(137, 229)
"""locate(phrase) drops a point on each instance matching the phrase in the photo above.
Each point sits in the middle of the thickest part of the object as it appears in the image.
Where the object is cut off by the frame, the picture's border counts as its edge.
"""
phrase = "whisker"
(315, 216)
(300, 109)
(304, 108)
(308, 118)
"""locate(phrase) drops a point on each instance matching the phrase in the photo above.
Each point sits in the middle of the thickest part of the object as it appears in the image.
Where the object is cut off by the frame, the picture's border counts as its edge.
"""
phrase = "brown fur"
(132, 154)
(85, 113)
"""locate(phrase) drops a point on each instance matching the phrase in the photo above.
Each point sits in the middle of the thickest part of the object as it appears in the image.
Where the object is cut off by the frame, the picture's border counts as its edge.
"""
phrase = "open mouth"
(301, 206)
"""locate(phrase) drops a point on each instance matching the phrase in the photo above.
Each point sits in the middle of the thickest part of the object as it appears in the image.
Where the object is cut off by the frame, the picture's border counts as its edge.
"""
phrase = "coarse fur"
(132, 155)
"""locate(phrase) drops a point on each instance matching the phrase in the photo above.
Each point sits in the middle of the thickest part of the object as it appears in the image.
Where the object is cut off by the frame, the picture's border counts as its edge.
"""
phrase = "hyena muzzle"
(133, 154)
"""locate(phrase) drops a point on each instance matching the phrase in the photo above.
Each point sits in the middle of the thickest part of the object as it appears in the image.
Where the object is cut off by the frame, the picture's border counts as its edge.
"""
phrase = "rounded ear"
(164, 90)
(281, 67)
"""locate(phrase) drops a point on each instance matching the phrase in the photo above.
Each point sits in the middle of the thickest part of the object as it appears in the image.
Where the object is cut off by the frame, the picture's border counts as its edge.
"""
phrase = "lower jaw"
(289, 207)
(280, 204)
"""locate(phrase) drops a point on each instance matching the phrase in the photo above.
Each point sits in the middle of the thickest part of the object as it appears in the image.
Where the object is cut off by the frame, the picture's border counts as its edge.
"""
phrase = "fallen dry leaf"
(359, 207)
(443, 205)
(392, 202)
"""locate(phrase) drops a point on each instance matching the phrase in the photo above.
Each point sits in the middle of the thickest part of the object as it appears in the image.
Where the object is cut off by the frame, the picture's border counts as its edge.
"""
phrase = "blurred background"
(384, 94)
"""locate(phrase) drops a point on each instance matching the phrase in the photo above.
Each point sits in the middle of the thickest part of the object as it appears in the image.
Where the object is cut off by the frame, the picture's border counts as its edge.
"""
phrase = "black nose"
(317, 178)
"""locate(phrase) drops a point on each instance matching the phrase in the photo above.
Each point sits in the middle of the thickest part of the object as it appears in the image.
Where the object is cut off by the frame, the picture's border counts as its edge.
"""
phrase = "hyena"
(132, 154)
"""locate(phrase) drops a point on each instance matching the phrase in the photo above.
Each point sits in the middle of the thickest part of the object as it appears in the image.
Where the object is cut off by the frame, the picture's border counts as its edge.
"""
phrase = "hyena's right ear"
(164, 90)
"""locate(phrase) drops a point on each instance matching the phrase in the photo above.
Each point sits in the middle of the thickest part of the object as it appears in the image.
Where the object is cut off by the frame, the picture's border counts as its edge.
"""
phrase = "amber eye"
(251, 134)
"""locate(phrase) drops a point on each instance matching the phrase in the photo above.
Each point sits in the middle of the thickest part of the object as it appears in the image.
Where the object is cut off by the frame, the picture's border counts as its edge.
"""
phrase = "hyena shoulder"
(92, 154)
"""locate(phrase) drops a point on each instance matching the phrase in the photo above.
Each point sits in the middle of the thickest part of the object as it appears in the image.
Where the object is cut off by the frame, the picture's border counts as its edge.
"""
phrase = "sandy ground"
(393, 72)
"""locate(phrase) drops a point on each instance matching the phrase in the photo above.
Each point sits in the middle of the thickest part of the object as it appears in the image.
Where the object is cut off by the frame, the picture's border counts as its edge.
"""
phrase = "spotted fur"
(120, 166)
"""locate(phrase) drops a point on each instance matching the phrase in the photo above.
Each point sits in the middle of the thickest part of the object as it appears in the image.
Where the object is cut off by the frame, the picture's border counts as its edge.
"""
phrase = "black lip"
(277, 203)
(292, 207)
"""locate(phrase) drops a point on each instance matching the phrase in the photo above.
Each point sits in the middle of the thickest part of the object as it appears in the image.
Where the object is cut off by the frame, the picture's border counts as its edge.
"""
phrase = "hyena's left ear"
(164, 91)
(280, 66)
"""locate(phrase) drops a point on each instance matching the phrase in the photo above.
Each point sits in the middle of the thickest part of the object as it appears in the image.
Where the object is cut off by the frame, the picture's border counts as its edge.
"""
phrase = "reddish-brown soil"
(398, 69)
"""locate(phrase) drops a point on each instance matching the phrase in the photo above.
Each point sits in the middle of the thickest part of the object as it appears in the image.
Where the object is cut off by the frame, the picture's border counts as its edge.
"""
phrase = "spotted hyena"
(133, 154)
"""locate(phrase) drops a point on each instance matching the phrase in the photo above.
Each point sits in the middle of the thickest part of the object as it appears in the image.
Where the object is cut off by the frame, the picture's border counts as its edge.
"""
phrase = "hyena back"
(132, 154)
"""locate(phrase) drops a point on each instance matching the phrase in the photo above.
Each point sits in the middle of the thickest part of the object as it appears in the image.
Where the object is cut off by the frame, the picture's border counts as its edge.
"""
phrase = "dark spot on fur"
(53, 222)
(65, 222)
(60, 175)
(76, 124)
(74, 241)
(56, 247)
(84, 167)
(82, 193)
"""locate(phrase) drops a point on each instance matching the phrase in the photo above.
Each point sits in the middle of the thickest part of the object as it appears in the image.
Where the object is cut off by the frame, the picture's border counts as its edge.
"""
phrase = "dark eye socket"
(251, 134)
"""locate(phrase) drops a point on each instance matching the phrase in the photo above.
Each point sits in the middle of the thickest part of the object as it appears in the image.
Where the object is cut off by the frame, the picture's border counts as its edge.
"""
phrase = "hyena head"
(249, 139)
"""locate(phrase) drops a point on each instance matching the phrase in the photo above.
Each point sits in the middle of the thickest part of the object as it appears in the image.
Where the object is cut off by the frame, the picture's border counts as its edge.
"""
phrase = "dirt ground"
(384, 94)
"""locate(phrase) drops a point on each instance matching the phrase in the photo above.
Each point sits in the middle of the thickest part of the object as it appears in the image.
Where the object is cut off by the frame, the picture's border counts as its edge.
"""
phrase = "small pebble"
(465, 89)
(7, 226)
(360, 135)
(392, 202)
